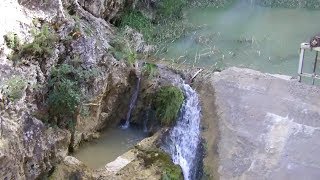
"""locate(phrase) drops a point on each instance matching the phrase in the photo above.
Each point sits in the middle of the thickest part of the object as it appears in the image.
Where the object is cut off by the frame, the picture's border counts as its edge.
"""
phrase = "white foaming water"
(184, 137)
(133, 101)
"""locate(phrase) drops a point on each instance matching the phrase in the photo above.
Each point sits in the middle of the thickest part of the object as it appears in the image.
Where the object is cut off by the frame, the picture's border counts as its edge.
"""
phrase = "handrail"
(314, 76)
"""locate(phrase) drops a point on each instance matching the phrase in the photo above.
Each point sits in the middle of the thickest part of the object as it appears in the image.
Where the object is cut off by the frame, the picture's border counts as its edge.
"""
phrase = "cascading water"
(146, 120)
(133, 101)
(183, 141)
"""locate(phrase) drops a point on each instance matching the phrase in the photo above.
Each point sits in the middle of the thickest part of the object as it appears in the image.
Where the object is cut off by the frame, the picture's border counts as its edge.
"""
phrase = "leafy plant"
(139, 22)
(14, 88)
(121, 49)
(167, 103)
(41, 47)
(65, 95)
(12, 40)
(150, 70)
(170, 8)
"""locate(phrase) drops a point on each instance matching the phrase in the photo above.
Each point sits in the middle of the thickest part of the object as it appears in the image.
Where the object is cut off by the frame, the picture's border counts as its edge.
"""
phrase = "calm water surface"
(109, 146)
(245, 35)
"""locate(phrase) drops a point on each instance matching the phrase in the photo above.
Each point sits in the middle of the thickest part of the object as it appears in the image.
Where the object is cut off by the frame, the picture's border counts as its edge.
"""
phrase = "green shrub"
(41, 47)
(14, 88)
(121, 49)
(12, 41)
(139, 22)
(150, 70)
(65, 96)
(170, 8)
(167, 103)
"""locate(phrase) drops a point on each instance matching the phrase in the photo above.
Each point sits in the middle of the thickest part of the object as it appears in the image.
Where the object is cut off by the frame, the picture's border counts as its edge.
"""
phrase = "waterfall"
(146, 120)
(183, 140)
(133, 101)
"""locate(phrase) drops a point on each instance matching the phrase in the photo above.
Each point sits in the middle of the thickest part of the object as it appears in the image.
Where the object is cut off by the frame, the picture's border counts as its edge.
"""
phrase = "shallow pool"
(246, 35)
(111, 144)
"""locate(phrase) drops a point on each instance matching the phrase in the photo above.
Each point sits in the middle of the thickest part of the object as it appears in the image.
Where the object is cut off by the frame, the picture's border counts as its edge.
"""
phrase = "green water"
(111, 144)
(245, 35)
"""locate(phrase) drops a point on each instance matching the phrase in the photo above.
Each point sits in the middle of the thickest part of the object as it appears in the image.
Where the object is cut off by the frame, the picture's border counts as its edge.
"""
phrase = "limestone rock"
(28, 149)
(106, 9)
(72, 168)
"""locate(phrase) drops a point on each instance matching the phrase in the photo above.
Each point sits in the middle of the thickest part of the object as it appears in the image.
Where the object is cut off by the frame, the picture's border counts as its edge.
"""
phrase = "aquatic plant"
(167, 103)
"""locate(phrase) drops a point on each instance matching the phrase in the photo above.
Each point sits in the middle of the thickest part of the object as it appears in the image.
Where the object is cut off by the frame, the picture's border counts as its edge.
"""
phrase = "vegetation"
(211, 3)
(139, 22)
(41, 47)
(65, 95)
(150, 70)
(168, 102)
(162, 160)
(311, 4)
(121, 49)
(12, 41)
(14, 88)
(167, 25)
(170, 8)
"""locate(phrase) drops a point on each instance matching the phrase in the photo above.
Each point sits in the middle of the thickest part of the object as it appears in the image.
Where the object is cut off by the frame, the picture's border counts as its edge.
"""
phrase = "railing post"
(301, 59)
(315, 68)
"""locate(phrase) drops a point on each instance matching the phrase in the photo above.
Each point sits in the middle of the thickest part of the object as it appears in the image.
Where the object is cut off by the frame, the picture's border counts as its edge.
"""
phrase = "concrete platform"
(269, 127)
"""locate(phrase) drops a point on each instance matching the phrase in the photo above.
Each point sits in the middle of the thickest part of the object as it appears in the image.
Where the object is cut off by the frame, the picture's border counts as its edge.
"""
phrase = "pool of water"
(111, 144)
(246, 35)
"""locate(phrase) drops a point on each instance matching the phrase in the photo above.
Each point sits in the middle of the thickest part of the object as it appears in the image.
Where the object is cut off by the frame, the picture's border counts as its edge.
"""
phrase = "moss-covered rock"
(162, 160)
(167, 104)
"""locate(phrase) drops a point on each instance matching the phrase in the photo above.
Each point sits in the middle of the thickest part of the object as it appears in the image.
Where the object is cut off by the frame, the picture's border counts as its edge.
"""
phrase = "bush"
(41, 47)
(167, 103)
(121, 49)
(14, 88)
(170, 8)
(65, 95)
(139, 22)
(150, 70)
(12, 41)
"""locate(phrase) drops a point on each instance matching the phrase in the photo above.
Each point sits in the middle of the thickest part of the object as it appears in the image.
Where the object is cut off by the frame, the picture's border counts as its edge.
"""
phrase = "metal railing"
(314, 75)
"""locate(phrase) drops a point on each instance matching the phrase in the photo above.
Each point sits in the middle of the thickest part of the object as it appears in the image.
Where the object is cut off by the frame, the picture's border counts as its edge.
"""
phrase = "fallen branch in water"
(195, 75)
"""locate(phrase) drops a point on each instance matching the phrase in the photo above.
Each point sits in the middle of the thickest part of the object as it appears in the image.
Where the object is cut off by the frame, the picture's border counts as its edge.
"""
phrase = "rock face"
(267, 127)
(106, 9)
(29, 148)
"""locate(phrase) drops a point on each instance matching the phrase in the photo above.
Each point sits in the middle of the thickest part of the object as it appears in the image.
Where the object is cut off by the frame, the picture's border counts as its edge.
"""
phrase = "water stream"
(184, 138)
(133, 101)
(247, 35)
